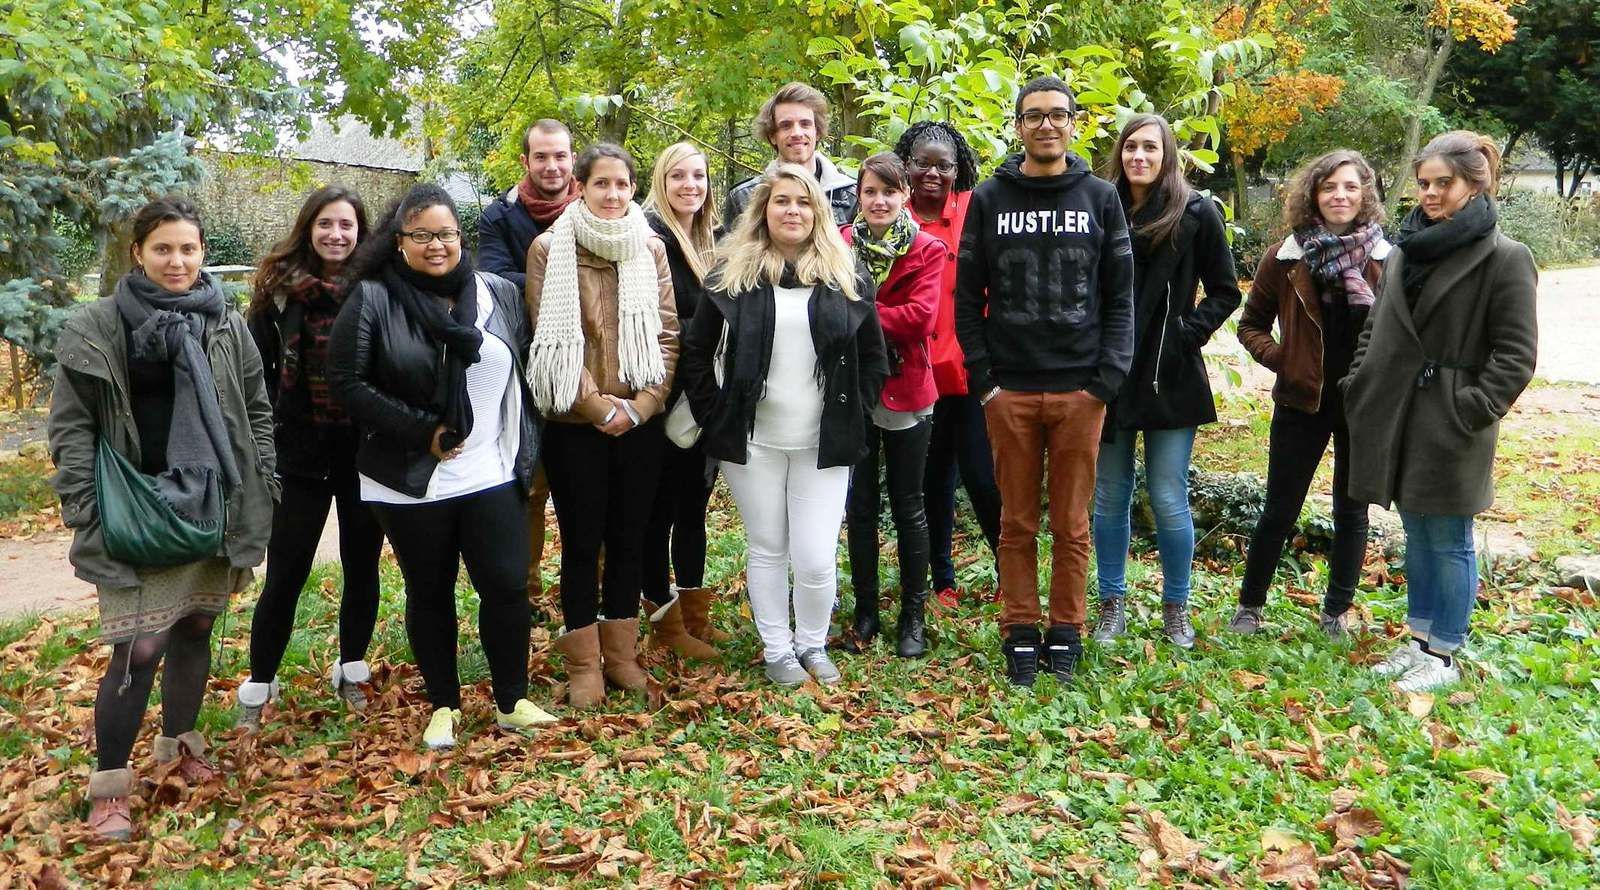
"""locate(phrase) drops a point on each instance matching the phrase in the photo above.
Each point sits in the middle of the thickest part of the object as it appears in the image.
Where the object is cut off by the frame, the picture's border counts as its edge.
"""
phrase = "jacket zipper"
(1318, 326)
(1161, 345)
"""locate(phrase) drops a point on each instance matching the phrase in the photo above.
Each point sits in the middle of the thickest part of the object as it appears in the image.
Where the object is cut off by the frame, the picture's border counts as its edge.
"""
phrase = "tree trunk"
(1511, 145)
(1430, 79)
(115, 257)
(1241, 196)
(1580, 171)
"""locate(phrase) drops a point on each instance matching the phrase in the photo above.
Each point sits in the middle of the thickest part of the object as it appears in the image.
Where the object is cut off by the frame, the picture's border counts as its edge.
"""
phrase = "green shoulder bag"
(140, 528)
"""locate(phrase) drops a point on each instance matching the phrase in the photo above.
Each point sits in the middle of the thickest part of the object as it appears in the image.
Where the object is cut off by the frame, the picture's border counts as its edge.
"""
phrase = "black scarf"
(169, 327)
(422, 297)
(1424, 242)
(751, 356)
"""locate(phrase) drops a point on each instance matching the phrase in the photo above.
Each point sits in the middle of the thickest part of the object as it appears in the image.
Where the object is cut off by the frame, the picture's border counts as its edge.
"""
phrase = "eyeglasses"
(423, 236)
(942, 166)
(1033, 120)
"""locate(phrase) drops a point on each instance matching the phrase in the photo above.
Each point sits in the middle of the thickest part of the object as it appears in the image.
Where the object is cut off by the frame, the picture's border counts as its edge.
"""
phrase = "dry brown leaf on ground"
(1485, 776)
(1581, 827)
(1352, 825)
(1295, 868)
(1249, 680)
(1419, 704)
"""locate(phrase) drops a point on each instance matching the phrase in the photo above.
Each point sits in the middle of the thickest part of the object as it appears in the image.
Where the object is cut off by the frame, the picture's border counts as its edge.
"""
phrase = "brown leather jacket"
(597, 299)
(1283, 292)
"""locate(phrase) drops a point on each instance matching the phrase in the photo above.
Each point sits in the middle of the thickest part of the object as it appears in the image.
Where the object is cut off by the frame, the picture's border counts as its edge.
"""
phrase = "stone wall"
(257, 197)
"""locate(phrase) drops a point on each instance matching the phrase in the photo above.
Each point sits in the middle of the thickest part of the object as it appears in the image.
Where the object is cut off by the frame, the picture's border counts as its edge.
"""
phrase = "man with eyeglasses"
(1044, 314)
(794, 122)
(506, 231)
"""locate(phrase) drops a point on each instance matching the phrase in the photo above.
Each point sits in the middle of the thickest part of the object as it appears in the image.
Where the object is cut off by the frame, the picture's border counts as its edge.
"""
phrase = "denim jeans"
(1441, 578)
(1166, 461)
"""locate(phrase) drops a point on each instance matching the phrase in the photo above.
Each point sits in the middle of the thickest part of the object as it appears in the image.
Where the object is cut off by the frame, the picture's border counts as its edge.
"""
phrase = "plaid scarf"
(1338, 262)
(880, 254)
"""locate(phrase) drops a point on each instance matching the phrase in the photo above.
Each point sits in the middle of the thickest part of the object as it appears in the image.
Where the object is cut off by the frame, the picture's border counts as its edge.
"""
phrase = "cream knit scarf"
(555, 361)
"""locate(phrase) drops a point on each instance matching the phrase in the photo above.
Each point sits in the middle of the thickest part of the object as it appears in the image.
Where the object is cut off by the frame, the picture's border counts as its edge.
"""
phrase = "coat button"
(841, 398)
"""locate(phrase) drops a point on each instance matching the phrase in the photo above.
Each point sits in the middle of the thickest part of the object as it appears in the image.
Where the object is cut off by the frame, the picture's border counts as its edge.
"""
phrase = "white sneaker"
(1428, 674)
(1401, 660)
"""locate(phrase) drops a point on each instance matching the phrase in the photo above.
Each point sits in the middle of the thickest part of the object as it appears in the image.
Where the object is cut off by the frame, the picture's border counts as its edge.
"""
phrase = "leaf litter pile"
(1270, 761)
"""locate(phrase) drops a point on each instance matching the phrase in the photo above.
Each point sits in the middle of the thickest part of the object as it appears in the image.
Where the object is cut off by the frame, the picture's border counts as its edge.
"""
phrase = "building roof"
(348, 141)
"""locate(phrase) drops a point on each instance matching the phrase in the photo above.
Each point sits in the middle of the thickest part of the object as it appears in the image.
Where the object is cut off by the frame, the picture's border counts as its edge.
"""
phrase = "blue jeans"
(1166, 460)
(1441, 578)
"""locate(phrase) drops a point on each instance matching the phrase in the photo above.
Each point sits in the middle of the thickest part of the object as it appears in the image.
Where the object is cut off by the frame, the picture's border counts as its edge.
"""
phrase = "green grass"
(25, 488)
(914, 768)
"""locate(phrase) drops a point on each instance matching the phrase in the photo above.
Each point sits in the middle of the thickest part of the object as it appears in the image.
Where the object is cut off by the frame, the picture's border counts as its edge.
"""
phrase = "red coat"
(949, 365)
(908, 301)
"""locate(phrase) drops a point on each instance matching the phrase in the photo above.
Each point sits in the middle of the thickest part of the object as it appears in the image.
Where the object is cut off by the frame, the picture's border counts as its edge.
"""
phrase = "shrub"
(1557, 230)
(227, 246)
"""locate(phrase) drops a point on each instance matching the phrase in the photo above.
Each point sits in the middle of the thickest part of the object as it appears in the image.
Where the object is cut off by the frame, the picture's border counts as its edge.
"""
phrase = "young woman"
(426, 357)
(297, 298)
(1178, 244)
(906, 267)
(943, 173)
(680, 212)
(1318, 285)
(802, 367)
(159, 386)
(604, 347)
(1449, 348)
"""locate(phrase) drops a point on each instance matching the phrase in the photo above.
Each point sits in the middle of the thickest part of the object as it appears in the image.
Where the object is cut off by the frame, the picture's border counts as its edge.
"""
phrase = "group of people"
(828, 339)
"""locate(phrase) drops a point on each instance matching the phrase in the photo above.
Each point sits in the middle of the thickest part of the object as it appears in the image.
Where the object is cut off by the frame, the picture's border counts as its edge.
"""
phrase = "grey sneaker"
(786, 671)
(353, 696)
(1113, 621)
(816, 662)
(253, 698)
(1334, 627)
(1176, 625)
(1247, 620)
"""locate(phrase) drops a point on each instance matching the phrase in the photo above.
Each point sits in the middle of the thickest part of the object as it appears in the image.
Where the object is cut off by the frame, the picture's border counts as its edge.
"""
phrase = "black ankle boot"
(913, 628)
(1063, 647)
(1021, 648)
(866, 625)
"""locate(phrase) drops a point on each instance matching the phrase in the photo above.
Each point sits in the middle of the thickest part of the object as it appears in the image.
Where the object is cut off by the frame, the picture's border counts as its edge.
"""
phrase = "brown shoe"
(586, 688)
(667, 632)
(109, 817)
(189, 749)
(697, 615)
(619, 654)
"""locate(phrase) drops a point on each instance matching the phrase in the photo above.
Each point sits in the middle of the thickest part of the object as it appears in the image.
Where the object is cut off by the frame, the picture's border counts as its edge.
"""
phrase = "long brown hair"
(1300, 196)
(1170, 188)
(294, 257)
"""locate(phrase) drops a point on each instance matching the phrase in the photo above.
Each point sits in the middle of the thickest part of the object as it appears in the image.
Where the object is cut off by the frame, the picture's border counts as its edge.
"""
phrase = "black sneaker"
(1021, 648)
(1063, 648)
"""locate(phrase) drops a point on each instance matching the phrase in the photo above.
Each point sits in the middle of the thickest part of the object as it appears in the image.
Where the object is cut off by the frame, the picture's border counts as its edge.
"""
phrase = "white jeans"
(791, 512)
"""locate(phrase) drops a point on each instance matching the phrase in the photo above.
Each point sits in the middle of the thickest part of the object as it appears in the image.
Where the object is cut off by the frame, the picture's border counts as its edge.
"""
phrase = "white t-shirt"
(789, 415)
(484, 461)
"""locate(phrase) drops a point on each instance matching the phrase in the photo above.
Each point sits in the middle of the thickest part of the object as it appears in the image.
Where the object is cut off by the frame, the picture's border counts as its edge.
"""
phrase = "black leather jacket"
(386, 371)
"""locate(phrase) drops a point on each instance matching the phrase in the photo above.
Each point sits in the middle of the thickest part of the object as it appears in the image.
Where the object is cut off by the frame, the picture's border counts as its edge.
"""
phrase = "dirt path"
(1569, 324)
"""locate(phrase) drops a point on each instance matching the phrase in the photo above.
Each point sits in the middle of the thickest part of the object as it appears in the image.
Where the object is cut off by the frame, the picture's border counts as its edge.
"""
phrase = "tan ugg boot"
(619, 653)
(109, 816)
(189, 749)
(667, 632)
(586, 688)
(697, 614)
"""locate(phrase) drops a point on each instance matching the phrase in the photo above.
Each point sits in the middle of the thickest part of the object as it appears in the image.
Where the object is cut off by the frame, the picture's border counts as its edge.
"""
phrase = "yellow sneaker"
(441, 732)
(526, 715)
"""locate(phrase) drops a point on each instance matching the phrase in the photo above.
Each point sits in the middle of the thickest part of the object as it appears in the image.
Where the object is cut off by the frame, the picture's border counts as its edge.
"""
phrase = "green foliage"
(227, 246)
(1558, 230)
(25, 487)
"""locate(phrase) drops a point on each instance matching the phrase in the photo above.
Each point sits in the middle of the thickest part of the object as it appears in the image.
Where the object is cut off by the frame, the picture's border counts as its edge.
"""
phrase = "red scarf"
(544, 211)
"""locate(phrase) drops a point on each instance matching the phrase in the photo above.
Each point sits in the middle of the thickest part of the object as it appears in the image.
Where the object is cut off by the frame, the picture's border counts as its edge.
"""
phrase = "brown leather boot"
(109, 817)
(586, 688)
(619, 653)
(667, 632)
(697, 615)
(189, 749)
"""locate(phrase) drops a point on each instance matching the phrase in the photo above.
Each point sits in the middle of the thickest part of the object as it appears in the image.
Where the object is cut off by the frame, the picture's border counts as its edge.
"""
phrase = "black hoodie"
(1044, 284)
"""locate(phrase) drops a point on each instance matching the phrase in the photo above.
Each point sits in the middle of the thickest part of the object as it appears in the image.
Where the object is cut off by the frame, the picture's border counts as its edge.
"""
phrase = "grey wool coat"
(91, 399)
(1428, 386)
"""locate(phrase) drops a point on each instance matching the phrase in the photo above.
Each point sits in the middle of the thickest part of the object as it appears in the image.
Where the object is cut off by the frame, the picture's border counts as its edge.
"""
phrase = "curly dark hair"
(1300, 195)
(378, 251)
(939, 131)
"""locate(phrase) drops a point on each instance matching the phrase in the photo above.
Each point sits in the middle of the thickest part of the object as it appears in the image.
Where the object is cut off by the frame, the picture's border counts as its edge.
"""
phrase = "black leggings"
(604, 488)
(904, 454)
(296, 528)
(118, 713)
(958, 451)
(488, 531)
(678, 524)
(1295, 448)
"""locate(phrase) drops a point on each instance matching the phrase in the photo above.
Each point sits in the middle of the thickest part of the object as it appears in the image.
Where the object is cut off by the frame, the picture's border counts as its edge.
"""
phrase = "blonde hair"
(1471, 156)
(699, 241)
(749, 258)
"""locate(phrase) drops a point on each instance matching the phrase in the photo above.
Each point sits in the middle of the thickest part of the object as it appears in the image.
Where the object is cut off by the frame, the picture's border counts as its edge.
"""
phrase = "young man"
(794, 121)
(505, 232)
(1044, 314)
(508, 226)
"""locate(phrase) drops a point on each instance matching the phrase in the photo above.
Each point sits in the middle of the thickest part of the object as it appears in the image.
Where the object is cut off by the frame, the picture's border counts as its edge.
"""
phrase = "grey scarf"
(169, 327)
